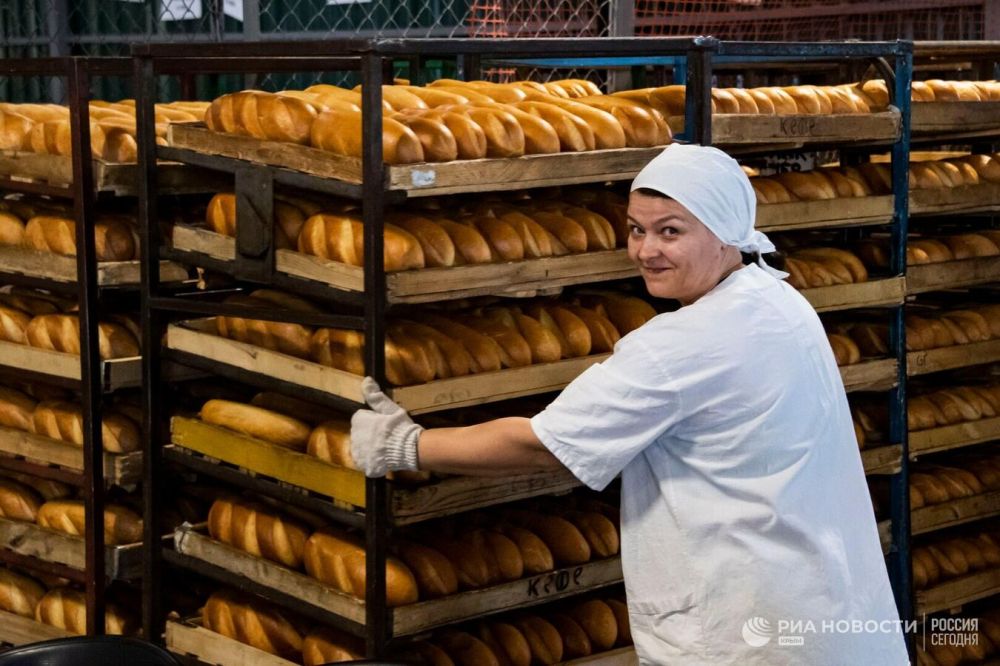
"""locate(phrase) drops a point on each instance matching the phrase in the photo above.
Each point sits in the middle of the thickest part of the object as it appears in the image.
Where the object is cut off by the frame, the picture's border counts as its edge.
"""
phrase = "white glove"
(384, 438)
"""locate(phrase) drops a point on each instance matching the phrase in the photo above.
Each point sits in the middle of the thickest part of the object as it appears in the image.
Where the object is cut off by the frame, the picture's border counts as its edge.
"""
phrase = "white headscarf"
(715, 189)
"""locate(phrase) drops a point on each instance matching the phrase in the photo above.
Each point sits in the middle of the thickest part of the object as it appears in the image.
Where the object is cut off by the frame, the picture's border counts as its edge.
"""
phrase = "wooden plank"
(888, 291)
(954, 512)
(984, 197)
(298, 469)
(28, 539)
(882, 459)
(19, 630)
(869, 375)
(947, 358)
(927, 117)
(624, 656)
(412, 618)
(209, 647)
(953, 436)
(120, 469)
(949, 274)
(735, 129)
(117, 373)
(959, 591)
(59, 268)
(464, 493)
(843, 212)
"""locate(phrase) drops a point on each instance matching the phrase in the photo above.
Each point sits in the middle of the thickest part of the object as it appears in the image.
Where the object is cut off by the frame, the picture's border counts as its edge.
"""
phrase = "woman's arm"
(494, 448)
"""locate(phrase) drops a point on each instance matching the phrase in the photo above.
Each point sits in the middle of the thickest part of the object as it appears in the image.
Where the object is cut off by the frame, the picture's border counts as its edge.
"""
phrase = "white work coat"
(743, 497)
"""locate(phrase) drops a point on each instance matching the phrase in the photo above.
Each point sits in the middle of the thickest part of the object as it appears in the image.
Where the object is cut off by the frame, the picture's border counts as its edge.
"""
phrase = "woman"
(744, 503)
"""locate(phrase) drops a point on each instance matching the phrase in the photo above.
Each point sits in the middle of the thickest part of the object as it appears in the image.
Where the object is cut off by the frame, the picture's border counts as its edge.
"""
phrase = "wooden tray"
(427, 178)
(955, 436)
(954, 512)
(846, 212)
(947, 358)
(949, 274)
(962, 117)
(120, 179)
(951, 595)
(59, 268)
(411, 618)
(882, 459)
(887, 291)
(751, 128)
(120, 469)
(429, 284)
(121, 562)
(116, 374)
(197, 338)
(984, 197)
(20, 630)
(877, 375)
(407, 504)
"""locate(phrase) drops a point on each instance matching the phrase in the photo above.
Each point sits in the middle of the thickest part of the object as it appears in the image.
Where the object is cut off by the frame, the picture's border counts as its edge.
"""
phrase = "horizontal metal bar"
(42, 470)
(976, 50)
(97, 66)
(20, 375)
(188, 305)
(234, 476)
(263, 381)
(42, 566)
(814, 49)
(57, 191)
(218, 65)
(703, 20)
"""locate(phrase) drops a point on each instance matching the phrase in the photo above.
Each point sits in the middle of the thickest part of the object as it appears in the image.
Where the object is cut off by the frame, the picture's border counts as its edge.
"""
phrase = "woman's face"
(677, 255)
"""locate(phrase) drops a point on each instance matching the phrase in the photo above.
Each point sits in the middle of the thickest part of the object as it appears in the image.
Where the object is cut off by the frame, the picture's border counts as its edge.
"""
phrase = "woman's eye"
(668, 231)
(635, 231)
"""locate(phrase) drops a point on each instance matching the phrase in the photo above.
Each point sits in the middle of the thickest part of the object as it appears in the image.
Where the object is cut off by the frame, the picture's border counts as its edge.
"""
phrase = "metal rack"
(255, 260)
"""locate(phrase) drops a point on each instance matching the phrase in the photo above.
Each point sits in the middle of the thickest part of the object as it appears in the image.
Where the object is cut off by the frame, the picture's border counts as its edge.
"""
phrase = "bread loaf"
(47, 489)
(121, 524)
(434, 572)
(19, 594)
(16, 409)
(18, 501)
(506, 642)
(247, 620)
(598, 620)
(114, 239)
(845, 350)
(339, 131)
(257, 422)
(341, 238)
(11, 227)
(337, 558)
(14, 325)
(436, 139)
(576, 642)
(331, 441)
(61, 332)
(327, 645)
(467, 650)
(15, 130)
(567, 544)
(66, 609)
(64, 421)
(258, 530)
(54, 137)
(220, 216)
(543, 639)
(485, 352)
(600, 533)
(262, 115)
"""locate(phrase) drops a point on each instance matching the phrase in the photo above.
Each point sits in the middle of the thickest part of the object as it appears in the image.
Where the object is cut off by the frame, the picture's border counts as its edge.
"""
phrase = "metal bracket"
(254, 224)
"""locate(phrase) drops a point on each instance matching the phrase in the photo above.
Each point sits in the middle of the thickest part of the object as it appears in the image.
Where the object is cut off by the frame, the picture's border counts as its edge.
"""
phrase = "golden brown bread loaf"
(19, 594)
(598, 620)
(258, 530)
(121, 524)
(331, 441)
(220, 216)
(506, 642)
(576, 642)
(339, 131)
(66, 609)
(467, 650)
(114, 238)
(61, 332)
(543, 639)
(341, 238)
(64, 421)
(620, 610)
(600, 533)
(284, 337)
(536, 556)
(14, 325)
(337, 558)
(257, 422)
(434, 573)
(262, 115)
(15, 130)
(845, 350)
(327, 645)
(567, 544)
(16, 409)
(18, 501)
(47, 489)
(250, 621)
(11, 229)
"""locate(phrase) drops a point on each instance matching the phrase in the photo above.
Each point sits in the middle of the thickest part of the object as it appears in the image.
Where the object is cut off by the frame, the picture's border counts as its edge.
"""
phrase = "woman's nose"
(647, 248)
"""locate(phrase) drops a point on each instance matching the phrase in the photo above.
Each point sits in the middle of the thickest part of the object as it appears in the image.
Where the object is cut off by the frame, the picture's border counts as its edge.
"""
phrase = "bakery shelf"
(29, 540)
(425, 284)
(882, 459)
(122, 469)
(19, 630)
(948, 358)
(949, 274)
(118, 179)
(412, 618)
(58, 268)
(982, 198)
(874, 293)
(197, 339)
(423, 179)
(954, 117)
(954, 512)
(844, 212)
(117, 373)
(801, 129)
(877, 375)
(885, 535)
(346, 487)
(955, 436)
(952, 594)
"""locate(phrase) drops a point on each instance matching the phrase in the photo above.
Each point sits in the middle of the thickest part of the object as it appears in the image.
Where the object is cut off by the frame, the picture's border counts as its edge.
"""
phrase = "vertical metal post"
(91, 385)
(251, 33)
(621, 23)
(899, 554)
(698, 97)
(57, 27)
(372, 189)
(153, 328)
